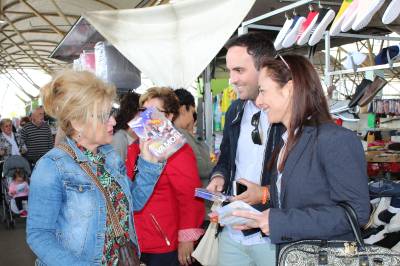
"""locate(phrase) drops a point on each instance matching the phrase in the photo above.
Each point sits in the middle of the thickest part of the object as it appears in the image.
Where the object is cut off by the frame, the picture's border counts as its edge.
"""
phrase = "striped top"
(38, 140)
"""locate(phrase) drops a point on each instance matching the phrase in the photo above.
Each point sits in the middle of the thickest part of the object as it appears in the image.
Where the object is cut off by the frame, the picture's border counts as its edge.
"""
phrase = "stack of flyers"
(165, 139)
(205, 194)
(225, 216)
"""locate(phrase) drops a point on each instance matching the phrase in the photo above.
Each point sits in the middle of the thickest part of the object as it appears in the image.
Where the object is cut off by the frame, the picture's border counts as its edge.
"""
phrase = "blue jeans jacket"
(67, 212)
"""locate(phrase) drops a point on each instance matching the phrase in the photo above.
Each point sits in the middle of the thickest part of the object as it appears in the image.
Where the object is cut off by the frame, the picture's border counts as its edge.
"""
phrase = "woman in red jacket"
(170, 222)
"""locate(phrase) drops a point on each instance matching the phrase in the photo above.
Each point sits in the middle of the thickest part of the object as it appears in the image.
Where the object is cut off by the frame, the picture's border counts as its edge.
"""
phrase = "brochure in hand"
(225, 216)
(165, 139)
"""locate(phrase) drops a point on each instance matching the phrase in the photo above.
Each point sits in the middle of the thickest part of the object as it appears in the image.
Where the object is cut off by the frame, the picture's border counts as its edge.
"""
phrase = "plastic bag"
(225, 216)
(165, 139)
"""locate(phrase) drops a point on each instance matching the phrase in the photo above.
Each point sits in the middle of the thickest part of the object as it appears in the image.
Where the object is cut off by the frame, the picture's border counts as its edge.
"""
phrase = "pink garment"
(18, 190)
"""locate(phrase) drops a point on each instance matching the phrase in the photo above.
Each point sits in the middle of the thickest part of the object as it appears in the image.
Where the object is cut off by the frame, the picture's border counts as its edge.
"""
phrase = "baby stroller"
(9, 207)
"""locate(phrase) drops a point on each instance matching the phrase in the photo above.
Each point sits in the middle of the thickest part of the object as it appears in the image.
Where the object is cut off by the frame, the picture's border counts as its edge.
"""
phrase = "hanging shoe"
(360, 90)
(366, 11)
(373, 89)
(337, 22)
(388, 54)
(325, 18)
(306, 28)
(282, 33)
(291, 37)
(392, 12)
(351, 15)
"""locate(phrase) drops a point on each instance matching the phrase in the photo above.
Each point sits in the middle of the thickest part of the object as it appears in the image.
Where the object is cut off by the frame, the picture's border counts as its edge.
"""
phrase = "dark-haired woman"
(318, 163)
(123, 135)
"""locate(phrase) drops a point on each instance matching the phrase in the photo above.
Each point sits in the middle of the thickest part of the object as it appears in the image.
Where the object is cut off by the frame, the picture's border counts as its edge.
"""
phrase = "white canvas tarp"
(172, 43)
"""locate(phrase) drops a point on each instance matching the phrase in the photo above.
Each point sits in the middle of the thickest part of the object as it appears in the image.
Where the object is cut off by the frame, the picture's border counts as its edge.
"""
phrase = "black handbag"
(127, 251)
(338, 252)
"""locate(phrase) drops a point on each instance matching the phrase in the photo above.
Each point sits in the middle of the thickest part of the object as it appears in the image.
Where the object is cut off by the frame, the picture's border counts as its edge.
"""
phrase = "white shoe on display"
(377, 237)
(306, 30)
(366, 10)
(291, 37)
(351, 15)
(394, 225)
(321, 27)
(282, 34)
(384, 203)
(341, 15)
(392, 12)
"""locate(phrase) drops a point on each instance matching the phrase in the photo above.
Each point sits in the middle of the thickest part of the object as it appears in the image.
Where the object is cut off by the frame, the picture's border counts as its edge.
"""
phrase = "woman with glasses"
(10, 142)
(81, 201)
(171, 221)
(317, 165)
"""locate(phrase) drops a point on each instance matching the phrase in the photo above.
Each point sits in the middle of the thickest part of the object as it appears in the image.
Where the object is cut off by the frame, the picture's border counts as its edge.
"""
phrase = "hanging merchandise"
(365, 12)
(337, 22)
(351, 15)
(217, 113)
(228, 96)
(325, 18)
(291, 37)
(359, 93)
(386, 107)
(388, 55)
(354, 59)
(372, 90)
(392, 12)
(306, 28)
(114, 68)
(282, 33)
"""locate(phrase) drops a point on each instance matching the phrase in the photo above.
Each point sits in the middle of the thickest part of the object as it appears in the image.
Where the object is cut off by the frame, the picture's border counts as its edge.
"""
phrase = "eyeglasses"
(283, 60)
(255, 134)
(104, 117)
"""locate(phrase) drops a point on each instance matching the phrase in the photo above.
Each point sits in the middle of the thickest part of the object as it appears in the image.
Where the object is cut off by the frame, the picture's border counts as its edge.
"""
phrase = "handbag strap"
(117, 228)
(352, 218)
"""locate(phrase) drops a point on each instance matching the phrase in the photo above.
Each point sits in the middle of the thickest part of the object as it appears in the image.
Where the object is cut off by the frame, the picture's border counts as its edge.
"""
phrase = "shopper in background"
(68, 222)
(10, 142)
(170, 223)
(123, 135)
(37, 136)
(246, 146)
(184, 123)
(317, 164)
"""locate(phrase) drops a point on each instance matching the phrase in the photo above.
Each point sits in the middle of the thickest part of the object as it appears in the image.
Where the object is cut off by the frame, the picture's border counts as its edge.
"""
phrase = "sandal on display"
(325, 18)
(282, 33)
(291, 37)
(337, 22)
(351, 15)
(366, 10)
(392, 12)
(373, 89)
(306, 28)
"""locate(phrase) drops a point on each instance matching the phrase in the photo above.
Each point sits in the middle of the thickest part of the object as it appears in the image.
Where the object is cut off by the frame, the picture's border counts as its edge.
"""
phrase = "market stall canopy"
(172, 43)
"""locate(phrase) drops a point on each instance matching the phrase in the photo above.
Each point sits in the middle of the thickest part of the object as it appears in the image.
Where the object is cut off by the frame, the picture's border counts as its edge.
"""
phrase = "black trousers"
(162, 259)
(18, 202)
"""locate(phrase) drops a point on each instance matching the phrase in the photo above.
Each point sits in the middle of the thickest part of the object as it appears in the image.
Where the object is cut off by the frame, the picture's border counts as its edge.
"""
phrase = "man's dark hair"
(129, 107)
(258, 45)
(185, 98)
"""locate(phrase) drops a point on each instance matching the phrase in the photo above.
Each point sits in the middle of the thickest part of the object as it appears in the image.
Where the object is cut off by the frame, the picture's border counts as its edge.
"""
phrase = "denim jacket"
(67, 212)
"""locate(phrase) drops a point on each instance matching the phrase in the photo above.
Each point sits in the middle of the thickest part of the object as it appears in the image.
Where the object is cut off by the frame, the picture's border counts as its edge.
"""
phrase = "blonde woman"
(69, 223)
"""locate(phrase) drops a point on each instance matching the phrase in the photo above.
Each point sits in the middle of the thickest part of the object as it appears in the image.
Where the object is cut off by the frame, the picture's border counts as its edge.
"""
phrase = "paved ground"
(13, 248)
